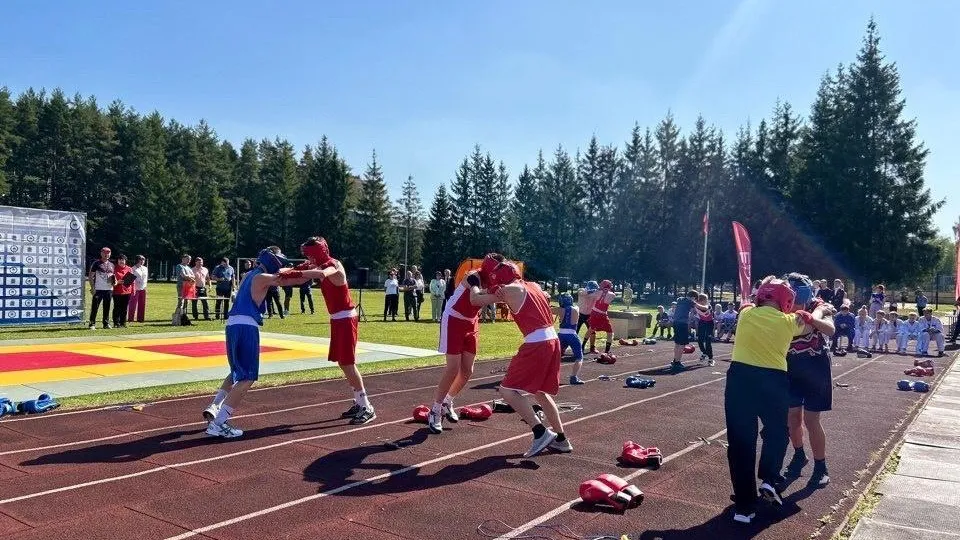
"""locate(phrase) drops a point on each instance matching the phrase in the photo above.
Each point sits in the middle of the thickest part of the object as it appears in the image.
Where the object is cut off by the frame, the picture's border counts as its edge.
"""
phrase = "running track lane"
(513, 428)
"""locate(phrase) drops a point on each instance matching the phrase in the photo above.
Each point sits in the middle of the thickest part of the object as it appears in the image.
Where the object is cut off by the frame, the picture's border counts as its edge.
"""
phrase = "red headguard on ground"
(317, 250)
(778, 292)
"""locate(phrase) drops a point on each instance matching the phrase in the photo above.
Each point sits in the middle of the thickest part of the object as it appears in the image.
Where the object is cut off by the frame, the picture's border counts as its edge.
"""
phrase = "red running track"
(301, 472)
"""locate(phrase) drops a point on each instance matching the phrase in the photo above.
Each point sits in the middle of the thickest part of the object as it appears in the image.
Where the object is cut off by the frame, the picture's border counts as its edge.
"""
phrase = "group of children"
(875, 332)
(724, 321)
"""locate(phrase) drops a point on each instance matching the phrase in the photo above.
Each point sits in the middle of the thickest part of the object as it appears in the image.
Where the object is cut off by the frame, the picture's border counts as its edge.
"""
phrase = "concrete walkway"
(921, 500)
(312, 355)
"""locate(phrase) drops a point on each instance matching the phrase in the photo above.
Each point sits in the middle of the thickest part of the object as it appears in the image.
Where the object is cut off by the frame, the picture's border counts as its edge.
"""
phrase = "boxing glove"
(305, 265)
(420, 413)
(622, 487)
(596, 492)
(291, 274)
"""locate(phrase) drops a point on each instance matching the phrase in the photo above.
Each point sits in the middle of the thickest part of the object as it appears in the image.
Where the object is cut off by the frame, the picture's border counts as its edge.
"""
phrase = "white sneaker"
(211, 412)
(703, 357)
(435, 423)
(564, 447)
(449, 413)
(224, 430)
(711, 362)
(744, 518)
(540, 443)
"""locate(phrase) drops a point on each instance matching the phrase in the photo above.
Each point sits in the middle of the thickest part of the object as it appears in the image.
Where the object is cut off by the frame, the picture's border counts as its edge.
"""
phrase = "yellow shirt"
(763, 337)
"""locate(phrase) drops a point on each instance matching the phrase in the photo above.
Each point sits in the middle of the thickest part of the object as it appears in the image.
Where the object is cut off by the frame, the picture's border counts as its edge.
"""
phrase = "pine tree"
(464, 199)
(409, 212)
(245, 195)
(7, 121)
(439, 251)
(373, 229)
(525, 215)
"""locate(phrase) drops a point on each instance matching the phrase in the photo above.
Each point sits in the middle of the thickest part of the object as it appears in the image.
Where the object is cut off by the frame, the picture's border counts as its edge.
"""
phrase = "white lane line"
(540, 520)
(217, 458)
(420, 465)
(252, 415)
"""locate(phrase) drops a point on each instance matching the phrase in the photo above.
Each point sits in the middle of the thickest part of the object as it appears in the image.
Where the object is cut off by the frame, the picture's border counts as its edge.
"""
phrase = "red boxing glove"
(476, 412)
(596, 492)
(305, 265)
(291, 274)
(420, 413)
(621, 486)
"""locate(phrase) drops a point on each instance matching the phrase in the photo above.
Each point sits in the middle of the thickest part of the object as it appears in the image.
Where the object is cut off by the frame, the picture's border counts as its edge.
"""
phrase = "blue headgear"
(565, 300)
(592, 286)
(271, 261)
(802, 288)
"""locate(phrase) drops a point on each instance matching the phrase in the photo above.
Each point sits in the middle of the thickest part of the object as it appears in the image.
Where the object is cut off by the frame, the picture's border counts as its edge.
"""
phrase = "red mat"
(209, 348)
(49, 359)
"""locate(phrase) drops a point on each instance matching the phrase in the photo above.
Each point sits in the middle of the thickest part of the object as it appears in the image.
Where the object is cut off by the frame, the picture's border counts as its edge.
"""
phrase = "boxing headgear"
(489, 264)
(606, 285)
(802, 288)
(496, 270)
(317, 250)
(591, 286)
(271, 261)
(565, 300)
(778, 292)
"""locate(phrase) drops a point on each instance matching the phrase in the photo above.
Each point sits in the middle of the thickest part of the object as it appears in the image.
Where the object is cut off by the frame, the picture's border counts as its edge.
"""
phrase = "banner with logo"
(742, 240)
(41, 266)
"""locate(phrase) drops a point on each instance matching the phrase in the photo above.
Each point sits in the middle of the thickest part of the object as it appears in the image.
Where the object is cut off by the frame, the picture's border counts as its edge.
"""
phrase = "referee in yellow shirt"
(758, 388)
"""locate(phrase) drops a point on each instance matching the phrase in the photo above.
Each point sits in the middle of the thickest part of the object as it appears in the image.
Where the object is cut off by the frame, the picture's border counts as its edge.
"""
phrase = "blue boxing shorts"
(243, 351)
(811, 383)
(572, 341)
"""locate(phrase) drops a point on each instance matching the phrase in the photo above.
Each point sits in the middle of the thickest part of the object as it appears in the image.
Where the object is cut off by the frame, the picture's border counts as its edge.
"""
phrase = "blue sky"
(423, 81)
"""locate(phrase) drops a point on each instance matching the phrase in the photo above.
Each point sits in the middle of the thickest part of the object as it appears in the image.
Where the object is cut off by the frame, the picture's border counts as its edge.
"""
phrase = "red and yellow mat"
(29, 364)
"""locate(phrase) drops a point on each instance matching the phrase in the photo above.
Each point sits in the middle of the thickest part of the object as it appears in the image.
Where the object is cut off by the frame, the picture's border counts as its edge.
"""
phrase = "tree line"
(838, 193)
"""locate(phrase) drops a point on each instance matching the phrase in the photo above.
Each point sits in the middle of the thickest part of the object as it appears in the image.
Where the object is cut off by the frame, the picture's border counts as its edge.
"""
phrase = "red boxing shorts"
(457, 336)
(600, 322)
(343, 341)
(535, 368)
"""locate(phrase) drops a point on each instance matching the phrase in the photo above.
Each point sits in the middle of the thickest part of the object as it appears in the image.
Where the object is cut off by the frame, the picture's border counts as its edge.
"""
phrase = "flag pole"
(706, 235)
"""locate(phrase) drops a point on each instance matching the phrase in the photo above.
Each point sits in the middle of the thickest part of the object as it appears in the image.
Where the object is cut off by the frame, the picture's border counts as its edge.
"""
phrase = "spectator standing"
(202, 280)
(244, 268)
(825, 293)
(184, 275)
(122, 290)
(101, 287)
(138, 300)
(418, 291)
(409, 287)
(391, 300)
(306, 293)
(921, 302)
(839, 295)
(956, 321)
(449, 287)
(223, 276)
(437, 287)
(273, 293)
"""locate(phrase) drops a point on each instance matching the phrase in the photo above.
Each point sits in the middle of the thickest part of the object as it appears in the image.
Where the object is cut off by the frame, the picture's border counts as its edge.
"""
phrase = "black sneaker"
(351, 412)
(796, 465)
(365, 415)
(676, 367)
(770, 494)
(819, 478)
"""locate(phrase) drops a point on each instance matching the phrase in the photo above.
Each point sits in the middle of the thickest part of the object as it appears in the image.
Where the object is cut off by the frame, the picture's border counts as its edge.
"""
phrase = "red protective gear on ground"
(606, 359)
(634, 454)
(476, 412)
(596, 492)
(420, 413)
(689, 349)
(621, 486)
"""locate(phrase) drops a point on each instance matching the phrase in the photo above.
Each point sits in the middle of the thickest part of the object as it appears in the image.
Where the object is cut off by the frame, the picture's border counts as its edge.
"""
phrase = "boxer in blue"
(243, 343)
(569, 315)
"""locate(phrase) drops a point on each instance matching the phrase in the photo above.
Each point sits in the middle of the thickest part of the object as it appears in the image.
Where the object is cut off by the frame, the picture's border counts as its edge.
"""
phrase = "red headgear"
(606, 285)
(490, 263)
(504, 274)
(317, 250)
(778, 292)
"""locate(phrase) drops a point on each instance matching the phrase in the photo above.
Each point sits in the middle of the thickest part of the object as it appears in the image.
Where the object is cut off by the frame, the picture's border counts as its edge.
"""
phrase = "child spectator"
(876, 300)
(728, 323)
(662, 323)
(931, 329)
(846, 324)
(122, 289)
(864, 325)
(879, 330)
(909, 330)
